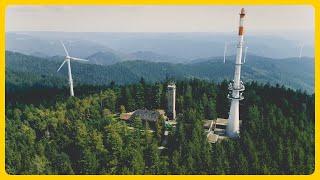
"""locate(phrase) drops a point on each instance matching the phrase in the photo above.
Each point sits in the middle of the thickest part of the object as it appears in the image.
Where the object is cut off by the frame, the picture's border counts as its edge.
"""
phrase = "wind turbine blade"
(65, 49)
(78, 59)
(61, 65)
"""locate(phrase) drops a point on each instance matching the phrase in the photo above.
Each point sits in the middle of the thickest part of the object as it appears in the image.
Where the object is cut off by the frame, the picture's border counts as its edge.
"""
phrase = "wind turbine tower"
(300, 52)
(67, 60)
(236, 87)
(224, 52)
(245, 55)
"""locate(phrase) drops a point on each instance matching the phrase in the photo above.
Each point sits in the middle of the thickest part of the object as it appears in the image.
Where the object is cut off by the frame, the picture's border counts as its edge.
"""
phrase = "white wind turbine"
(225, 52)
(300, 50)
(226, 49)
(68, 59)
(245, 54)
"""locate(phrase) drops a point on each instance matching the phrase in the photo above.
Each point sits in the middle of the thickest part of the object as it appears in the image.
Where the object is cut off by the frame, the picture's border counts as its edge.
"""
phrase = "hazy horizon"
(270, 31)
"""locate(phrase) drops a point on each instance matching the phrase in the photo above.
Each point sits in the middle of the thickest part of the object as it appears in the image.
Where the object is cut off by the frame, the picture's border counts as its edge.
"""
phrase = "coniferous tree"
(84, 135)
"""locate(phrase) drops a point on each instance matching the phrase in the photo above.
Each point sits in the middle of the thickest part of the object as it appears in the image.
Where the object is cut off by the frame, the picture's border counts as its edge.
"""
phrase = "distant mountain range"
(291, 72)
(158, 47)
(111, 57)
(104, 58)
(154, 57)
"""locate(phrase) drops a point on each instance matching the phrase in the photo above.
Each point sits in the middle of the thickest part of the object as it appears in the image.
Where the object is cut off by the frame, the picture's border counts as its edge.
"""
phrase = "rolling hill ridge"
(291, 72)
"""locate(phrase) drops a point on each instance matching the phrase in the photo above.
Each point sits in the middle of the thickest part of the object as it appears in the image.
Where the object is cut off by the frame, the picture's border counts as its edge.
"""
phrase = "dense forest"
(48, 132)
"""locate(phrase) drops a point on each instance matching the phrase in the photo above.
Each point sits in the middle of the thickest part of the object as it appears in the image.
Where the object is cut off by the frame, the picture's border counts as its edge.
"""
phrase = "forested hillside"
(83, 135)
(292, 72)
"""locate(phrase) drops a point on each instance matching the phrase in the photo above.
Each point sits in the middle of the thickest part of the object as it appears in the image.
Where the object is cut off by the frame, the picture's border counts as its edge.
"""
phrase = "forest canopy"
(56, 134)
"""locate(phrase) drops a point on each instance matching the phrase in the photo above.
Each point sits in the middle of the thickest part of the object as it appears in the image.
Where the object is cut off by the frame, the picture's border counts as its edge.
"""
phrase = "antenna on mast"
(236, 87)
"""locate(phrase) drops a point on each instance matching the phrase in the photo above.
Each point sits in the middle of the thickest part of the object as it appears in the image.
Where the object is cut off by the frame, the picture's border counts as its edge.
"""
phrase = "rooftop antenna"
(67, 60)
(225, 52)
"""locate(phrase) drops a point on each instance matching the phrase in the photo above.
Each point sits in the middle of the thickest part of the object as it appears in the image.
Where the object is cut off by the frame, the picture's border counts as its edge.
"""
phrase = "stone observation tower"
(236, 87)
(171, 99)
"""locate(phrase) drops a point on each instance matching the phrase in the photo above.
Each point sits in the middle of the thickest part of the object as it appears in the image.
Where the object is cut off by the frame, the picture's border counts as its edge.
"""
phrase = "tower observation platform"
(216, 129)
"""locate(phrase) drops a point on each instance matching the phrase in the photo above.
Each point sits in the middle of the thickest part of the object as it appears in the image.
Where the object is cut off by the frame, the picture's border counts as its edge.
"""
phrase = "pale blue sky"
(266, 19)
